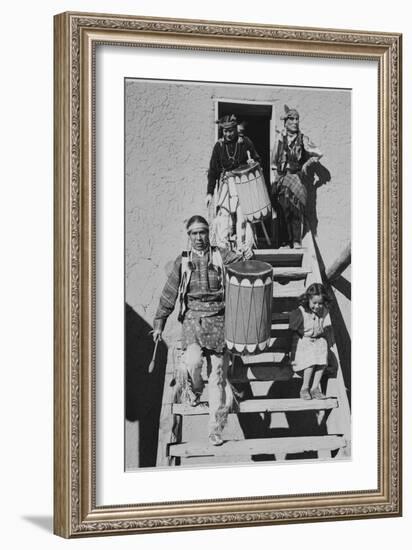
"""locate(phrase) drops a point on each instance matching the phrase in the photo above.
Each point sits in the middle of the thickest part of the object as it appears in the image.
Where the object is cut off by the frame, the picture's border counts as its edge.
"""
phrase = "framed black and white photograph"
(252, 371)
(227, 274)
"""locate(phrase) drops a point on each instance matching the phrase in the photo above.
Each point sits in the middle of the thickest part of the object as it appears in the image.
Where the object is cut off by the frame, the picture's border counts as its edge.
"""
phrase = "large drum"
(251, 189)
(248, 313)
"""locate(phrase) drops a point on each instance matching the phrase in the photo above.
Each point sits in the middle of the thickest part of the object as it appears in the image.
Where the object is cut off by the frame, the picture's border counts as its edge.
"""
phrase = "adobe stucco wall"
(170, 132)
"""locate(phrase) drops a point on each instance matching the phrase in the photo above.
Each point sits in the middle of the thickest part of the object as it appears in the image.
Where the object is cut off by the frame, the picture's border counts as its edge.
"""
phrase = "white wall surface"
(26, 274)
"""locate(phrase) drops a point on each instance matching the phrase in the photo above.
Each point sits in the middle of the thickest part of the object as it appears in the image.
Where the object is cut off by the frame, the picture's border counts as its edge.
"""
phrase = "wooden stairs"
(270, 422)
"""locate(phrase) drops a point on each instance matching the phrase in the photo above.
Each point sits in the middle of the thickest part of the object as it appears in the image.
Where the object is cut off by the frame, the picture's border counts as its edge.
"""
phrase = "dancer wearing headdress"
(292, 155)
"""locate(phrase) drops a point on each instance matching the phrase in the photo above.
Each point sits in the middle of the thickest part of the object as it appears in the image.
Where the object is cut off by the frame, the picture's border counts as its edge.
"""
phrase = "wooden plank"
(280, 257)
(261, 372)
(324, 454)
(280, 344)
(166, 421)
(263, 405)
(292, 289)
(282, 317)
(275, 252)
(290, 272)
(340, 419)
(279, 329)
(310, 260)
(340, 264)
(251, 447)
(284, 305)
(261, 358)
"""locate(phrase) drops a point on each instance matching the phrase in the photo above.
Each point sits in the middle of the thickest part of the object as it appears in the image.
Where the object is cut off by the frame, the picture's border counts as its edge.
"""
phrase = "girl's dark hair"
(315, 289)
(195, 218)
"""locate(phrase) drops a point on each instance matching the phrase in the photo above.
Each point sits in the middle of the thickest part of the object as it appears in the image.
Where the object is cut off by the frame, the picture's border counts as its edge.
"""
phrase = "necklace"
(232, 158)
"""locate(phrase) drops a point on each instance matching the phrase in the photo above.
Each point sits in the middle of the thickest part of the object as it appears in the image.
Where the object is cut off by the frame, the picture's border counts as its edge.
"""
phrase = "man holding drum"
(229, 152)
(292, 155)
(197, 282)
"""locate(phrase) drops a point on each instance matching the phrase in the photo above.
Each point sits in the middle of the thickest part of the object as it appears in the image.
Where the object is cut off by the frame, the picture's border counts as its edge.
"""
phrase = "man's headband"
(197, 226)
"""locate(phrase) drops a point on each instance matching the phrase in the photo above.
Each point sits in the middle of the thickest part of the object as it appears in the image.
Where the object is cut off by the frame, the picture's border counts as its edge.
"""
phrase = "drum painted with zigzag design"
(248, 306)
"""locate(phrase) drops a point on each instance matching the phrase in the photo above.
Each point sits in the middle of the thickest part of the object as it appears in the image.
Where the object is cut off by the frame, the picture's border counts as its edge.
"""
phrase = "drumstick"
(265, 233)
(152, 362)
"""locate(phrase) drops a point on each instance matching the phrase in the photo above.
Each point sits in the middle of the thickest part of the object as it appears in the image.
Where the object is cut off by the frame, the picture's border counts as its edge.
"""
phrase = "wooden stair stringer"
(169, 424)
(339, 421)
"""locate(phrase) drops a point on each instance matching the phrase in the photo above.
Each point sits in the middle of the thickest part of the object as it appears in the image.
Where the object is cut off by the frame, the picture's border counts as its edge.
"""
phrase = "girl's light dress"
(310, 338)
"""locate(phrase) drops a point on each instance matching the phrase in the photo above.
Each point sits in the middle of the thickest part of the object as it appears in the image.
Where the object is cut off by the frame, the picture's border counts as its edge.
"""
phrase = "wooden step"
(279, 330)
(258, 372)
(261, 358)
(283, 305)
(274, 252)
(263, 405)
(275, 357)
(280, 318)
(290, 272)
(280, 257)
(280, 344)
(292, 289)
(250, 447)
(261, 373)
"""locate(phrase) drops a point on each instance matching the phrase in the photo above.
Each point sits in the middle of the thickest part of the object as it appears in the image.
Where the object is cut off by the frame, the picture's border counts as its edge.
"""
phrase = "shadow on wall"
(317, 176)
(143, 391)
(342, 336)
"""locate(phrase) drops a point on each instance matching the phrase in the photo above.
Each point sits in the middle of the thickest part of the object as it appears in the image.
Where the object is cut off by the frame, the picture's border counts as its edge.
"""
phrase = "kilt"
(207, 332)
(293, 189)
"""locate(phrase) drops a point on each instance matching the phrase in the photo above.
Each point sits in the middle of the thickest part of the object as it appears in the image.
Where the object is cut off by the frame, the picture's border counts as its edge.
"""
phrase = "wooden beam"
(340, 264)
(251, 447)
(287, 272)
(276, 252)
(263, 405)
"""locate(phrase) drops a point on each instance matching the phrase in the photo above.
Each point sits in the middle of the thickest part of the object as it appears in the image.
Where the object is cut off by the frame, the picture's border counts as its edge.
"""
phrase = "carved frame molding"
(76, 36)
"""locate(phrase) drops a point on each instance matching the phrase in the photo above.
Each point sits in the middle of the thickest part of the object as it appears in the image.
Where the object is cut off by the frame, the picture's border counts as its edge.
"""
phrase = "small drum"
(248, 312)
(251, 189)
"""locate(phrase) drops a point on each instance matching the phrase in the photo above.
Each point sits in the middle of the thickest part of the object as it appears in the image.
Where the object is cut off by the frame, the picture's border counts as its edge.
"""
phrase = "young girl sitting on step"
(310, 325)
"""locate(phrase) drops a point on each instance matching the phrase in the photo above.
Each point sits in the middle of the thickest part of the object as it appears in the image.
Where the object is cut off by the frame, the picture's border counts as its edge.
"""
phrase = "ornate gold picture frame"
(76, 509)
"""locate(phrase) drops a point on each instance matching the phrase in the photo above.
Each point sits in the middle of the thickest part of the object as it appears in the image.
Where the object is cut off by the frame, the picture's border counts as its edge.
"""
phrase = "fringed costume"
(197, 282)
(290, 154)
